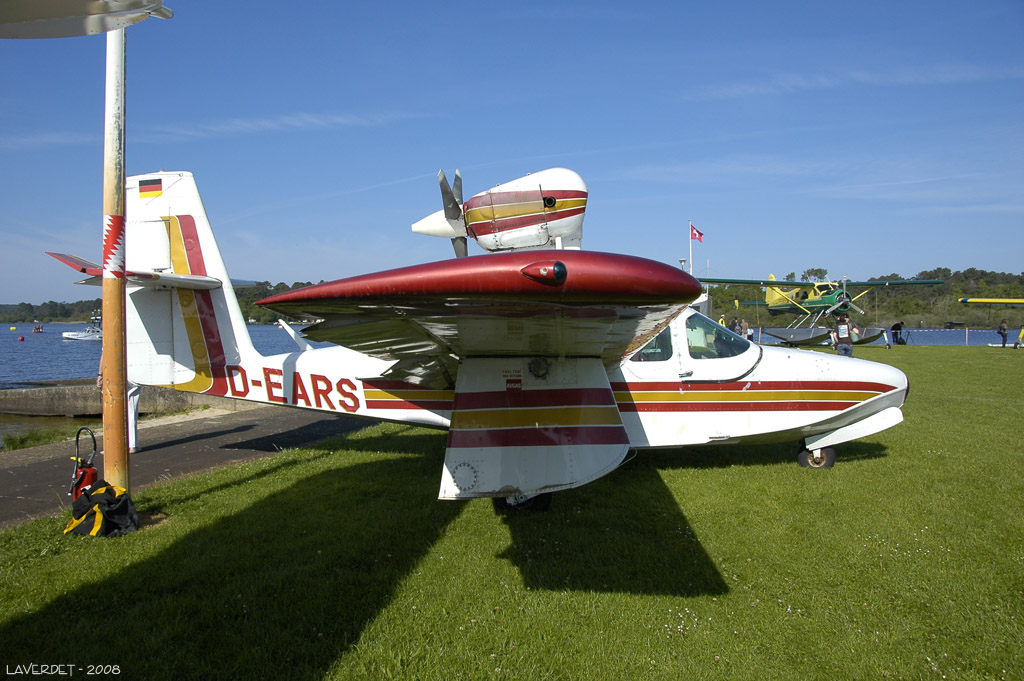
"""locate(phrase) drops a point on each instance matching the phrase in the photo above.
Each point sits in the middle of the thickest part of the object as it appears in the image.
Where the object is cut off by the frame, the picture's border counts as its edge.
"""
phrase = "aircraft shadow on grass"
(624, 533)
(295, 576)
(298, 575)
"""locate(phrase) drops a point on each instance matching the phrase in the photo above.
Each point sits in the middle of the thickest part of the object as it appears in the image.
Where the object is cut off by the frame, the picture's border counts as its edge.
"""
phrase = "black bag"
(103, 510)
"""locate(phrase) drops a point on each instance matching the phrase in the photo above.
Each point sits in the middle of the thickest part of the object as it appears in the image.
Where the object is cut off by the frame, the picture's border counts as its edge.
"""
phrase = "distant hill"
(50, 311)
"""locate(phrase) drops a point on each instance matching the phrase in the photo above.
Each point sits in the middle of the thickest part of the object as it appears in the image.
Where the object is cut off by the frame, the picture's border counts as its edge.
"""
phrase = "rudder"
(178, 334)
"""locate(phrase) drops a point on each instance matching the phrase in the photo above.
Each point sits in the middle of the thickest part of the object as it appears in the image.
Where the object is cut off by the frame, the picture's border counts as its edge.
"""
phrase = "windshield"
(708, 340)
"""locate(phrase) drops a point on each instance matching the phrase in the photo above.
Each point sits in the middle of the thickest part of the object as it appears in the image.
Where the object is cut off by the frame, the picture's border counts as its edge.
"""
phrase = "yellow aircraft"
(813, 300)
(813, 297)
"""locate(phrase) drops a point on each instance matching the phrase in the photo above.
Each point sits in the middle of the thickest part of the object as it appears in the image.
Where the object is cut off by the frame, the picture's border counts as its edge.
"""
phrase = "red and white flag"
(696, 233)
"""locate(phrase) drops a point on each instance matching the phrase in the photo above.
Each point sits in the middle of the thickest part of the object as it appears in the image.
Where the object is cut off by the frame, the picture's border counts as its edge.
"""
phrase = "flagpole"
(690, 240)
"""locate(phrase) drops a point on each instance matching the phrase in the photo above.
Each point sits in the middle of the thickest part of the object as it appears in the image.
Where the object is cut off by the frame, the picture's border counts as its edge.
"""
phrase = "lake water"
(47, 356)
(961, 336)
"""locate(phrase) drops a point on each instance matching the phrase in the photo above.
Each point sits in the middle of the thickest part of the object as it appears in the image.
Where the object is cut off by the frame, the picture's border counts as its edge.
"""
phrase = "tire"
(826, 458)
(540, 502)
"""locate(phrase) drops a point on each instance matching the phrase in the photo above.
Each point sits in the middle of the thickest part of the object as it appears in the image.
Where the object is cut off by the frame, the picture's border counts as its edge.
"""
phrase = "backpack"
(103, 510)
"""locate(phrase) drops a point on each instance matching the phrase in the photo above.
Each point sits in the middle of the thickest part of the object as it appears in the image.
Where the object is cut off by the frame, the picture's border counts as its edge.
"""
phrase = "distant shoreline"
(63, 321)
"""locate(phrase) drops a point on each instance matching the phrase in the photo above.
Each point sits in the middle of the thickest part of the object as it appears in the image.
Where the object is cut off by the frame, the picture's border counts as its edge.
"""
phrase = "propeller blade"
(452, 203)
(457, 188)
(843, 305)
(461, 246)
(850, 298)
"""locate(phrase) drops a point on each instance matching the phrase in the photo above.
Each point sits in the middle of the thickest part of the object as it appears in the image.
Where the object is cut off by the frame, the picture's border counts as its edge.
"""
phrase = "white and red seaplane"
(547, 364)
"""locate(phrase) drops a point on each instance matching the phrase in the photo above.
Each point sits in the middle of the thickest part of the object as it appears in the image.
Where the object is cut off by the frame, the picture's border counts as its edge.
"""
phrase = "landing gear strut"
(817, 458)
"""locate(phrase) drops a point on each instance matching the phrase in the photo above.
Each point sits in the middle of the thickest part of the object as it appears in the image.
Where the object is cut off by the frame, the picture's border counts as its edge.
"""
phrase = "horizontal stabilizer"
(77, 263)
(149, 279)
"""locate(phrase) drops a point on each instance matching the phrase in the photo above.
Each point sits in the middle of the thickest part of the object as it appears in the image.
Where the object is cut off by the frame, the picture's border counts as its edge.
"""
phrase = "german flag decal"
(150, 188)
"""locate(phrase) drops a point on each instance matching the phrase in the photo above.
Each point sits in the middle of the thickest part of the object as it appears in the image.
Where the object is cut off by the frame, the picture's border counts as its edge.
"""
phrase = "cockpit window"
(707, 340)
(658, 349)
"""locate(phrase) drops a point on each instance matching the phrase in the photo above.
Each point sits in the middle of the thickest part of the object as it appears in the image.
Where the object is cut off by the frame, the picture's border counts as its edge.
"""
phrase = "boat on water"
(93, 332)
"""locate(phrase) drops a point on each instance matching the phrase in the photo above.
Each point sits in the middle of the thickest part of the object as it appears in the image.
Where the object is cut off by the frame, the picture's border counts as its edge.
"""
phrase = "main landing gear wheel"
(817, 458)
(537, 502)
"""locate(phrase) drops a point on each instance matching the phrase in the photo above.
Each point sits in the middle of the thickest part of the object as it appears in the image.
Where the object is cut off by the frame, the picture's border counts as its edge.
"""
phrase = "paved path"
(34, 481)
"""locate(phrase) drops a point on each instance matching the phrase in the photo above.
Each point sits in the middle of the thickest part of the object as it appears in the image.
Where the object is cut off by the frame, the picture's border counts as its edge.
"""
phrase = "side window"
(707, 340)
(658, 349)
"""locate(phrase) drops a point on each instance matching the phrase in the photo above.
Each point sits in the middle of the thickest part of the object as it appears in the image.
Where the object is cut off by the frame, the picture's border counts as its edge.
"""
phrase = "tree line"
(930, 306)
(81, 311)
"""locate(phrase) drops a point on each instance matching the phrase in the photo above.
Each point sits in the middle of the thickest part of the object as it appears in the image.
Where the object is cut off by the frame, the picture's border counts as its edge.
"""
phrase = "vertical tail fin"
(774, 295)
(178, 335)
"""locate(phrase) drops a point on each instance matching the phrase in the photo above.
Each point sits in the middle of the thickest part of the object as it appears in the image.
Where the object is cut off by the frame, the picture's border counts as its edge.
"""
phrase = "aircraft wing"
(521, 304)
(896, 282)
(812, 284)
(525, 339)
(1005, 302)
(759, 282)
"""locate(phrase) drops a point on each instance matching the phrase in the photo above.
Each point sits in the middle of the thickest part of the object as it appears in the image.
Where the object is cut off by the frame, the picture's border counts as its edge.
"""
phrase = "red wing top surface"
(526, 303)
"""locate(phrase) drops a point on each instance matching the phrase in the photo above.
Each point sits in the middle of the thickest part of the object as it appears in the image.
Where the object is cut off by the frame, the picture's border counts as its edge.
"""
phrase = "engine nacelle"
(541, 210)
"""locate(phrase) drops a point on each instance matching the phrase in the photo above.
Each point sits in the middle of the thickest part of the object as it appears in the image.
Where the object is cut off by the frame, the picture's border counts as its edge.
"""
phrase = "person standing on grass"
(896, 329)
(1004, 328)
(842, 335)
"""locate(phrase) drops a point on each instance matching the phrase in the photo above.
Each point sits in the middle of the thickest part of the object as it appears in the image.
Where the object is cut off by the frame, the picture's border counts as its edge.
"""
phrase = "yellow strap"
(75, 522)
(118, 491)
(97, 524)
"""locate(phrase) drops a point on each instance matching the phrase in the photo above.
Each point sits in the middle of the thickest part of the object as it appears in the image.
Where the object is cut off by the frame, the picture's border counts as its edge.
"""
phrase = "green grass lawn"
(906, 560)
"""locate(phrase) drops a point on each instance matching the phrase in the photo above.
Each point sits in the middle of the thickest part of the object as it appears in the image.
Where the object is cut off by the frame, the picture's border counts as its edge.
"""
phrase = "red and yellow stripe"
(501, 211)
(197, 309)
(745, 395)
(401, 395)
(536, 418)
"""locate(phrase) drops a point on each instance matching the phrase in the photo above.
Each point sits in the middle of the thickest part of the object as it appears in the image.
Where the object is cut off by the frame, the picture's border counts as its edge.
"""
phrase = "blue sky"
(864, 138)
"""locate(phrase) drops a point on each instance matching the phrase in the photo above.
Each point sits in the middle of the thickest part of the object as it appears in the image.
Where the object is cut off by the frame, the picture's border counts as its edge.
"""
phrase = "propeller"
(843, 302)
(451, 196)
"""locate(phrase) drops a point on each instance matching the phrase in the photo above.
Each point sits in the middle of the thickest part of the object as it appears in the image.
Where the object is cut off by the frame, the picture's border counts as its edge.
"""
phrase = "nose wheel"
(817, 458)
(524, 502)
